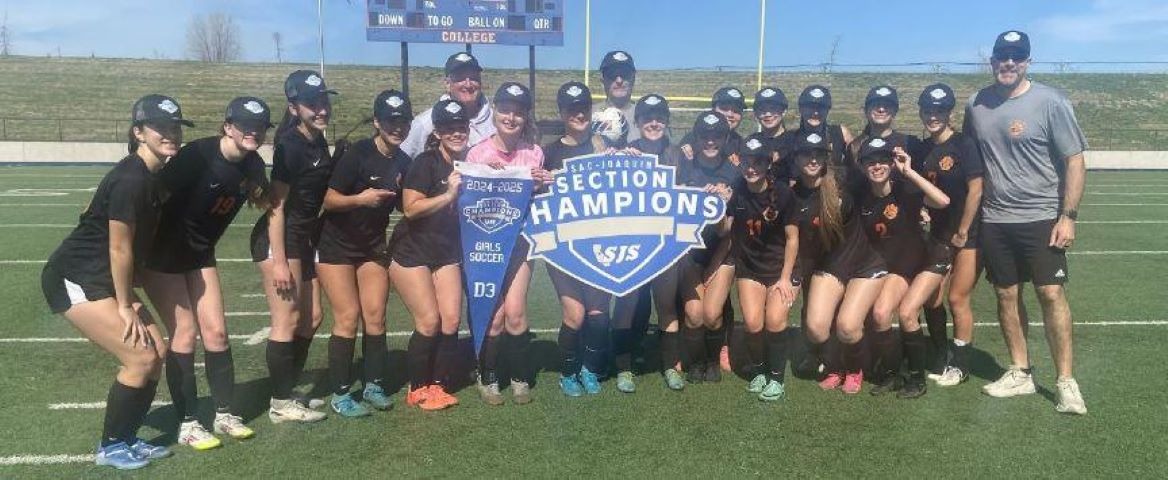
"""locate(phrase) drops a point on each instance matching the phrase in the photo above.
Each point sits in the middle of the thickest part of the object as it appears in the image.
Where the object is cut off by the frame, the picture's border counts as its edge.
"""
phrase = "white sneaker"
(232, 425)
(192, 434)
(1070, 399)
(1013, 383)
(950, 377)
(281, 411)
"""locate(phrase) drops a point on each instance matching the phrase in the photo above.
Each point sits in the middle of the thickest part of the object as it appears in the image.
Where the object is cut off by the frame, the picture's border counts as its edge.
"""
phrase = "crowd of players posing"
(868, 228)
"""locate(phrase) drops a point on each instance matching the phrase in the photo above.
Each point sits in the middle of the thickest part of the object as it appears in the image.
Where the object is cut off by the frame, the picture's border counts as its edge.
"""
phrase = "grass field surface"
(79, 99)
(53, 384)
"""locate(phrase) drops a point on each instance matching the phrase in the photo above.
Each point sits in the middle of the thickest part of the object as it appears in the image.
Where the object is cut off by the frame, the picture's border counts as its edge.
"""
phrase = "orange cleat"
(418, 396)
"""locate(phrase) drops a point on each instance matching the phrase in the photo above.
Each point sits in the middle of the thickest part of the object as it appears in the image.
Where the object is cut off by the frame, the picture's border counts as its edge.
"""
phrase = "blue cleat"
(570, 386)
(120, 456)
(148, 451)
(347, 407)
(590, 381)
(376, 397)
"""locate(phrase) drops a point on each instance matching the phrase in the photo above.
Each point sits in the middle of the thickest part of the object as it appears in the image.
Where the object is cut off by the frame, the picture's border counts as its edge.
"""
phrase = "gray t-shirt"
(1025, 142)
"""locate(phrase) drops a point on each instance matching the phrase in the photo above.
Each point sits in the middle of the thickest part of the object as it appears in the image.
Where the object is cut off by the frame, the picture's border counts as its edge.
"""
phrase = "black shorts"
(329, 258)
(860, 263)
(1020, 252)
(296, 247)
(433, 263)
(62, 293)
(940, 257)
(767, 280)
(179, 259)
(970, 238)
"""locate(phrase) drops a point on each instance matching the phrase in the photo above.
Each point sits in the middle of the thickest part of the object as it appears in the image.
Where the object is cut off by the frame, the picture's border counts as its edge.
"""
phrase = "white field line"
(252, 295)
(78, 205)
(1120, 222)
(95, 405)
(16, 460)
(1123, 204)
(1129, 194)
(1128, 185)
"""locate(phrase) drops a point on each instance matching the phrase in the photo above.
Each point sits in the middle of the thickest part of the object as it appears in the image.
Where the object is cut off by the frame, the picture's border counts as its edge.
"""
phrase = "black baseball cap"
(649, 105)
(811, 142)
(730, 95)
(157, 109)
(573, 94)
(391, 104)
(770, 96)
(878, 148)
(449, 111)
(305, 85)
(816, 95)
(617, 62)
(755, 147)
(711, 122)
(937, 96)
(249, 114)
(462, 60)
(882, 94)
(514, 92)
(1012, 40)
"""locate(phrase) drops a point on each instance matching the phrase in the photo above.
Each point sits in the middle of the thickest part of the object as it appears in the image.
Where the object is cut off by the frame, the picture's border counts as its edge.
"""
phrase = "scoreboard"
(502, 22)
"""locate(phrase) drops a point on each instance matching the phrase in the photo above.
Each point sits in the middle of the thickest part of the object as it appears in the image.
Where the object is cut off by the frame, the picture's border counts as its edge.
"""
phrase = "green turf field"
(1116, 294)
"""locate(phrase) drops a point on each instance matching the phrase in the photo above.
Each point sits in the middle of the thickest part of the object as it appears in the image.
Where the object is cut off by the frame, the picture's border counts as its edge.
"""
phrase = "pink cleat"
(853, 382)
(832, 381)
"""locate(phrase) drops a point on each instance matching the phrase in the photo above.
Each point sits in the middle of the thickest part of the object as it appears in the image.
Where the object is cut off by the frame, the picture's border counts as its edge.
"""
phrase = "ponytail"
(290, 121)
(831, 221)
(131, 139)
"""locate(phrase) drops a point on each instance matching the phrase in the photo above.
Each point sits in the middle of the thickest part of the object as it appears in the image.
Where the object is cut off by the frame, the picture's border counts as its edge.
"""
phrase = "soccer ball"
(610, 124)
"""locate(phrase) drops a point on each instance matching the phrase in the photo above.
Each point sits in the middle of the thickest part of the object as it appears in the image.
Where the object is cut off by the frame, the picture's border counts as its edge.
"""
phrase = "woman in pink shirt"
(514, 144)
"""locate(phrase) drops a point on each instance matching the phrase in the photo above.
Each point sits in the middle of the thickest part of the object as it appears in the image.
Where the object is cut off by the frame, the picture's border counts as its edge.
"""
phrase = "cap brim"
(251, 125)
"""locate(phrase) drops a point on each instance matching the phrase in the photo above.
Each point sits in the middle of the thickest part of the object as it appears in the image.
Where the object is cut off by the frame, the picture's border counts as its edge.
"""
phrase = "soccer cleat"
(913, 388)
(674, 380)
(696, 373)
(571, 386)
(589, 381)
(192, 434)
(713, 375)
(1014, 382)
(832, 381)
(757, 383)
(307, 402)
(439, 399)
(940, 362)
(625, 382)
(889, 384)
(490, 393)
(853, 382)
(281, 411)
(347, 407)
(773, 391)
(231, 425)
(724, 359)
(1070, 398)
(416, 396)
(520, 392)
(376, 397)
(149, 451)
(951, 377)
(120, 456)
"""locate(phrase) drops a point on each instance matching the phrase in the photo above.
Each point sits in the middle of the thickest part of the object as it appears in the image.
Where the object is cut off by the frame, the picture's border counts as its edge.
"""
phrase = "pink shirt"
(526, 155)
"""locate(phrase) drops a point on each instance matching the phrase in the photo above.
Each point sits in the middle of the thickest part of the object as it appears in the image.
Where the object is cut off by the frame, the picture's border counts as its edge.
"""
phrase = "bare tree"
(279, 39)
(5, 37)
(830, 64)
(213, 38)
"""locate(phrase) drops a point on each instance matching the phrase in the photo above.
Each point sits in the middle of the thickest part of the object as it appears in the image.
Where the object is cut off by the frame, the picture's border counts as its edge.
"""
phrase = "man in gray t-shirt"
(1034, 175)
(618, 73)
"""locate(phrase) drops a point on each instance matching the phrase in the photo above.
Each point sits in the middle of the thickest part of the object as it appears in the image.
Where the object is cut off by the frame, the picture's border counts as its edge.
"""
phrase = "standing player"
(207, 183)
(618, 74)
(1033, 152)
(890, 211)
(364, 189)
(583, 308)
(427, 254)
(730, 103)
(89, 278)
(770, 103)
(765, 244)
(513, 144)
(814, 105)
(464, 84)
(283, 241)
(880, 108)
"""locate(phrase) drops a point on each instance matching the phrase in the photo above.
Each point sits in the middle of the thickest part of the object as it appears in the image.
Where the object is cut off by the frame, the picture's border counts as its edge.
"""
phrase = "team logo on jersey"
(766, 93)
(616, 221)
(938, 93)
(453, 107)
(734, 93)
(814, 139)
(816, 93)
(491, 214)
(883, 91)
(313, 80)
(877, 143)
(891, 211)
(395, 101)
(652, 100)
(574, 91)
(1012, 37)
(515, 90)
(620, 57)
(1017, 127)
(253, 107)
(168, 106)
(753, 144)
(946, 163)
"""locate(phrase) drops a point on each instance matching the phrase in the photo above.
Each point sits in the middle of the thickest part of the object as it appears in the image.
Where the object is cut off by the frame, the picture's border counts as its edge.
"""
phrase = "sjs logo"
(491, 214)
(616, 221)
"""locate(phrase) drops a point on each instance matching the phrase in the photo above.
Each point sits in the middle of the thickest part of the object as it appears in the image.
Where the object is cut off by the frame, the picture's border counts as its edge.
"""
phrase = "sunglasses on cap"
(1010, 54)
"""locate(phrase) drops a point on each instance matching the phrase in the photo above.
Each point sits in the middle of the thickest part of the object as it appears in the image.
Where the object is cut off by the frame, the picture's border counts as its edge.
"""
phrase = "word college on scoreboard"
(505, 22)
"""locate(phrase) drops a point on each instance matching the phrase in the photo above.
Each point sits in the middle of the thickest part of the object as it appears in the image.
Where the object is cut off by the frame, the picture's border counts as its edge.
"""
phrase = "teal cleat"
(590, 381)
(570, 386)
(757, 384)
(625, 383)
(674, 380)
(375, 396)
(773, 391)
(347, 407)
(120, 456)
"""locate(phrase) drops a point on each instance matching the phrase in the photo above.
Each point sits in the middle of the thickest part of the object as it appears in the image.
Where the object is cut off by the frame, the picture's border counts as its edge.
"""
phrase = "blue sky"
(660, 34)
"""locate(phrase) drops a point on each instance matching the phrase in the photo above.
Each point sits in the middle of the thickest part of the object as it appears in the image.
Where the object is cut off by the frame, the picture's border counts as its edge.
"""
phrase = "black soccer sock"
(961, 356)
(853, 356)
(756, 349)
(120, 405)
(375, 355)
(695, 346)
(714, 340)
(888, 355)
(670, 350)
(281, 358)
(145, 397)
(622, 349)
(301, 346)
(727, 320)
(489, 360)
(569, 342)
(596, 340)
(419, 353)
(915, 348)
(180, 379)
(640, 325)
(937, 320)
(519, 356)
(446, 358)
(340, 363)
(776, 347)
(815, 351)
(221, 377)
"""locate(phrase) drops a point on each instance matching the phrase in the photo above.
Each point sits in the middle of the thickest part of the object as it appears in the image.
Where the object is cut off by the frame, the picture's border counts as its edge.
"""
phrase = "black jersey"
(893, 224)
(758, 231)
(733, 143)
(305, 165)
(949, 166)
(700, 173)
(432, 239)
(557, 151)
(851, 255)
(204, 193)
(360, 232)
(129, 193)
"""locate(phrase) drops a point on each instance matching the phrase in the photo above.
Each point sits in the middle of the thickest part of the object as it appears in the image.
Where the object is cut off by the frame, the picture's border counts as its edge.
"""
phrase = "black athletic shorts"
(970, 239)
(62, 293)
(940, 257)
(860, 263)
(1020, 252)
(767, 280)
(179, 259)
(296, 246)
(327, 256)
